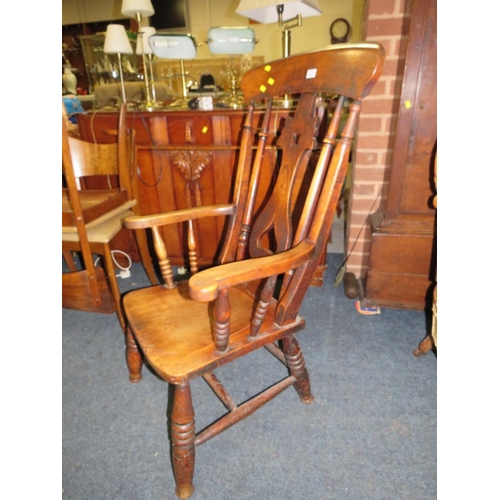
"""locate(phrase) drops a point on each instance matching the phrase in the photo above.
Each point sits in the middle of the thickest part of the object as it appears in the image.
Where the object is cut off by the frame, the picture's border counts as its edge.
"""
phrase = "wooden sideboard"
(187, 158)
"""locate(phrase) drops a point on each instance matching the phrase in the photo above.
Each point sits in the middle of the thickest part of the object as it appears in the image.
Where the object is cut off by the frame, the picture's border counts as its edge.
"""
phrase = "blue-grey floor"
(369, 434)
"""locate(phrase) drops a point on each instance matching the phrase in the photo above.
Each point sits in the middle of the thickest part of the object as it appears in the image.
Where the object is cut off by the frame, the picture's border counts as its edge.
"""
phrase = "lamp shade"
(173, 46)
(265, 12)
(227, 40)
(116, 40)
(147, 31)
(131, 8)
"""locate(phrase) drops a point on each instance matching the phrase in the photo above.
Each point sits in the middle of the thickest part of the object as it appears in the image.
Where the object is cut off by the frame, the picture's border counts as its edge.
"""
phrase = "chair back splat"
(270, 251)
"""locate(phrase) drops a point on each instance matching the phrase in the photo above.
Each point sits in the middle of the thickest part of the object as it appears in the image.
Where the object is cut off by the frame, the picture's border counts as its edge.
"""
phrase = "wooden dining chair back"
(92, 218)
(86, 289)
(271, 250)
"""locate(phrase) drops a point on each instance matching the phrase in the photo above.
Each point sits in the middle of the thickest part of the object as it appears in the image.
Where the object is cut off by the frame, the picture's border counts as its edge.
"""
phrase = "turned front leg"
(183, 441)
(296, 364)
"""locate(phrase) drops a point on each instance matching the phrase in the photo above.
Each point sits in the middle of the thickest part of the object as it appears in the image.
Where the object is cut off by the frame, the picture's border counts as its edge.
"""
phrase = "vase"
(69, 80)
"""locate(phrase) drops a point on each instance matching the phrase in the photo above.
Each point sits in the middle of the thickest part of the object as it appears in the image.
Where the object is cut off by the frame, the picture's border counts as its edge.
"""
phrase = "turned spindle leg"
(296, 364)
(134, 357)
(183, 441)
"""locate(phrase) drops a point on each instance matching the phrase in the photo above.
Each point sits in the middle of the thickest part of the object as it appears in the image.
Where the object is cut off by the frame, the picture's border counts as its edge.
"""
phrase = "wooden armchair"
(252, 300)
(91, 218)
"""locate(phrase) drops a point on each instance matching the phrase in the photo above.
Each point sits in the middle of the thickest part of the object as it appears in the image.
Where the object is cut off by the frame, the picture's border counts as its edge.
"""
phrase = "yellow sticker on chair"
(271, 80)
(204, 129)
(262, 88)
(267, 67)
(407, 104)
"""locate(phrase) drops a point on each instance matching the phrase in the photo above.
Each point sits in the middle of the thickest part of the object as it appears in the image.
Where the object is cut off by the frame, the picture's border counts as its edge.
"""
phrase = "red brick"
(392, 67)
(358, 265)
(375, 173)
(384, 27)
(369, 124)
(364, 205)
(378, 106)
(364, 189)
(380, 88)
(365, 158)
(381, 7)
(360, 246)
(357, 220)
(377, 141)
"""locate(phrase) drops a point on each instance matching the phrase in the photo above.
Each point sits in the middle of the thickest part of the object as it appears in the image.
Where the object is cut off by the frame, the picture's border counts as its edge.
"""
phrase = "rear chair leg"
(297, 367)
(134, 357)
(183, 434)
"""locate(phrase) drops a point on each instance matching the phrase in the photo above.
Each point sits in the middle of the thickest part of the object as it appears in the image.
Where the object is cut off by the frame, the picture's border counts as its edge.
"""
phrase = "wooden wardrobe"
(402, 255)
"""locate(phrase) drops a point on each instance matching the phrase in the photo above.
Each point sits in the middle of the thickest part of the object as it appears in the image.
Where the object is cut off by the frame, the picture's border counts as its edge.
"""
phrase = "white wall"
(313, 34)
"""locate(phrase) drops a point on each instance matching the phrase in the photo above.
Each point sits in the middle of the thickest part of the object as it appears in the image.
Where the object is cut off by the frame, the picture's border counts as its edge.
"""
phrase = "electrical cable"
(341, 270)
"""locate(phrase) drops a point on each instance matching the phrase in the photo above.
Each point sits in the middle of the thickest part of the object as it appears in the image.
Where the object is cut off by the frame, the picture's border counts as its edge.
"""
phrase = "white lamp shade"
(265, 12)
(116, 40)
(147, 31)
(131, 8)
(227, 40)
(173, 46)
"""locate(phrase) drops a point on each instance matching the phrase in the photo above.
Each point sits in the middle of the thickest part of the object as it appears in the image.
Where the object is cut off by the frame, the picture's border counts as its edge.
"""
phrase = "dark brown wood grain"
(400, 270)
(270, 254)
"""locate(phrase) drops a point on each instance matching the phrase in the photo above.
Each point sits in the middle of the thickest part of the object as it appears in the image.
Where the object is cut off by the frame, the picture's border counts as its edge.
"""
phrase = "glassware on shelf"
(102, 69)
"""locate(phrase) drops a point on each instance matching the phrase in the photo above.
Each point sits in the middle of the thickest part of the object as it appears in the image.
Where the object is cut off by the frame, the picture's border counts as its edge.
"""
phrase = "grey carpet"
(369, 434)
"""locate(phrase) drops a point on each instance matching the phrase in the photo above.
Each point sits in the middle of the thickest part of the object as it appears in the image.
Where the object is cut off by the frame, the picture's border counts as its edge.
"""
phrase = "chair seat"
(171, 329)
(102, 233)
(98, 205)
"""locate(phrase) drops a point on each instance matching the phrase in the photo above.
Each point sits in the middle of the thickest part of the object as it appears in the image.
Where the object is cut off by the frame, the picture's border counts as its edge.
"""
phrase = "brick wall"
(386, 22)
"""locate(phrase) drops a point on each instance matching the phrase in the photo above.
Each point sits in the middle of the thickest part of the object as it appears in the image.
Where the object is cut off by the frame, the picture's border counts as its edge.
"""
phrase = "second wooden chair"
(99, 212)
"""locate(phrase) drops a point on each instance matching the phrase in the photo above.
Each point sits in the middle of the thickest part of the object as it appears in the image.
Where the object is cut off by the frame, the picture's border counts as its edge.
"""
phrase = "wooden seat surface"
(180, 349)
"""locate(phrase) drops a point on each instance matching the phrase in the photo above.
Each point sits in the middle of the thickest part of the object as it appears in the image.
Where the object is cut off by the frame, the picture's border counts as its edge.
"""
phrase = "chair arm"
(205, 285)
(155, 220)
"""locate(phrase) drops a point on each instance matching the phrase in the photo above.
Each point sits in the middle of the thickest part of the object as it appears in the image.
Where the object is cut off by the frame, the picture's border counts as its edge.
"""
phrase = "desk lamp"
(231, 41)
(143, 41)
(116, 42)
(175, 46)
(287, 13)
(137, 9)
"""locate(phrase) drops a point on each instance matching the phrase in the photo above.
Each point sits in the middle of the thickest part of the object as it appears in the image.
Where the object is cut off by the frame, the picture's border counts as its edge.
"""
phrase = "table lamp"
(175, 46)
(287, 13)
(138, 9)
(116, 42)
(143, 41)
(225, 40)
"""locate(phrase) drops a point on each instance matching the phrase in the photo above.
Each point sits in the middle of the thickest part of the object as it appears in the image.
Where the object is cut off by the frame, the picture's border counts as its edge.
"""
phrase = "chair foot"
(183, 434)
(307, 400)
(134, 358)
(184, 491)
